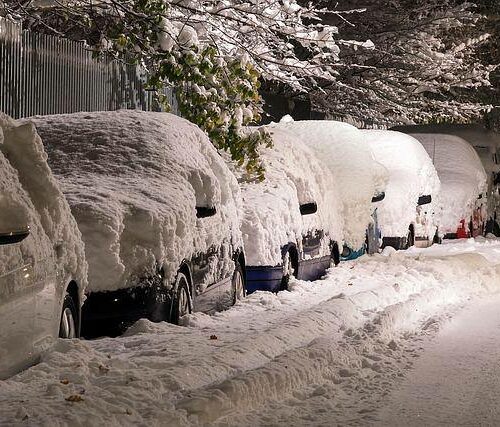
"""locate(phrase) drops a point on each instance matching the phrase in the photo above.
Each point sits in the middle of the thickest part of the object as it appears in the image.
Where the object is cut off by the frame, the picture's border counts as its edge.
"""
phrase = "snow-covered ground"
(327, 352)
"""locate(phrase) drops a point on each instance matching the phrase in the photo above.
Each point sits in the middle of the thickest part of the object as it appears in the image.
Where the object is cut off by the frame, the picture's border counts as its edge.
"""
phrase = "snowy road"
(456, 381)
(329, 352)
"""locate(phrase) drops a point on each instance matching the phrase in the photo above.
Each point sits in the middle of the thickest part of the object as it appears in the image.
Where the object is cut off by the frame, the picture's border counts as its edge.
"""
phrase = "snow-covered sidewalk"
(456, 381)
(327, 352)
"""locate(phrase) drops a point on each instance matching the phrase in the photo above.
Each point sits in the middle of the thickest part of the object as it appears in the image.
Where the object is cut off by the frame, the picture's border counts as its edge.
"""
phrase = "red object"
(462, 230)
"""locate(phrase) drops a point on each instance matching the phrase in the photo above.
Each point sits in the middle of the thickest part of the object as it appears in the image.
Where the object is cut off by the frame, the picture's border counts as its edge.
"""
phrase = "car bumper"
(110, 313)
(267, 278)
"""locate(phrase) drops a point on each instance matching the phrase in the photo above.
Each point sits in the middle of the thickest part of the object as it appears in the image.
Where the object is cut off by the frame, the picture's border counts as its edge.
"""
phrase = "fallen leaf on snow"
(74, 398)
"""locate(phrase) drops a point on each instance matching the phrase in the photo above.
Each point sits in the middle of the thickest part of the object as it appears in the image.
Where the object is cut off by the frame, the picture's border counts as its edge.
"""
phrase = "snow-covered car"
(43, 271)
(358, 178)
(159, 212)
(462, 201)
(406, 215)
(292, 223)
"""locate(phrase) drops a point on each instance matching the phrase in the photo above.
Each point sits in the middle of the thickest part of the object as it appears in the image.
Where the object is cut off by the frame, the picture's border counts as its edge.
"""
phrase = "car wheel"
(410, 239)
(238, 284)
(182, 299)
(68, 324)
(288, 270)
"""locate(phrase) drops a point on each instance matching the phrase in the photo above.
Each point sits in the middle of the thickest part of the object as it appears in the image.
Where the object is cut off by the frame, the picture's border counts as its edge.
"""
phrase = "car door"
(17, 286)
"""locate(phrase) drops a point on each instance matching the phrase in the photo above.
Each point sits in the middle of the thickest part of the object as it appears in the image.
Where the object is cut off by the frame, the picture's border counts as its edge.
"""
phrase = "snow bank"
(133, 180)
(462, 177)
(31, 196)
(357, 176)
(272, 218)
(411, 175)
(256, 363)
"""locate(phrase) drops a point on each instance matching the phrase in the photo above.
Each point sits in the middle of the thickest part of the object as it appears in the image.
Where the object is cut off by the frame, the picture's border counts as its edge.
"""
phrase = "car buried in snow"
(359, 179)
(292, 224)
(406, 215)
(462, 201)
(158, 210)
(43, 271)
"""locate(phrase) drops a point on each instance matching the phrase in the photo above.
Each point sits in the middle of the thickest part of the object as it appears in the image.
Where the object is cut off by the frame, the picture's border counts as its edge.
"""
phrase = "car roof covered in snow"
(133, 180)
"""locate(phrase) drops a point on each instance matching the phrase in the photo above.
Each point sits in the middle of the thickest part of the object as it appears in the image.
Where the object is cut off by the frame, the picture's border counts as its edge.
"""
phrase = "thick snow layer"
(411, 175)
(31, 196)
(357, 176)
(433, 393)
(462, 177)
(321, 354)
(133, 180)
(272, 217)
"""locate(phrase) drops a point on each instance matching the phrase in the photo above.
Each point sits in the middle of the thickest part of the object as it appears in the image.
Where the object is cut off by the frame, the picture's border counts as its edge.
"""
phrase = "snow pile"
(31, 196)
(266, 358)
(133, 180)
(357, 176)
(272, 217)
(411, 175)
(462, 177)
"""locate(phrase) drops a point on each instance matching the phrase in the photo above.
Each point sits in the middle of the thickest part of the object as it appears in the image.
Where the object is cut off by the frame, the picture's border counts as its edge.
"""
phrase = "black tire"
(289, 270)
(182, 299)
(68, 325)
(238, 284)
(410, 239)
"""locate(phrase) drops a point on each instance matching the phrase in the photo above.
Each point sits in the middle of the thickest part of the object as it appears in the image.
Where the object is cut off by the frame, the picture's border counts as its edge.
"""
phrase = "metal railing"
(44, 74)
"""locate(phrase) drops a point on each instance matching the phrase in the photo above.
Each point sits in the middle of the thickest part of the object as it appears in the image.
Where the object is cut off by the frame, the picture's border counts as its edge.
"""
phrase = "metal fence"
(43, 74)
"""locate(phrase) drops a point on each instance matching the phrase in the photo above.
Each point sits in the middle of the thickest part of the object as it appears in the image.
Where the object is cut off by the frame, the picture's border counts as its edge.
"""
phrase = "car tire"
(68, 324)
(238, 284)
(182, 298)
(410, 239)
(289, 270)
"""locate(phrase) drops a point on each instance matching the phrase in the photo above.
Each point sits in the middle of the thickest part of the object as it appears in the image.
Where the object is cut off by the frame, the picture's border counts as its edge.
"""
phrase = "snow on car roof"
(357, 175)
(411, 175)
(38, 194)
(462, 176)
(272, 218)
(133, 180)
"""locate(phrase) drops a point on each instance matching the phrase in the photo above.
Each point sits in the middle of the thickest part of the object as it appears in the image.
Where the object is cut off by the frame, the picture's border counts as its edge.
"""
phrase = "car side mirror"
(205, 212)
(378, 197)
(14, 236)
(308, 208)
(424, 200)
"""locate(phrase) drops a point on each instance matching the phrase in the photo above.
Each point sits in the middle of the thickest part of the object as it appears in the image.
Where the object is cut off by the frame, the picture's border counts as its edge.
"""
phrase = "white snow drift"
(357, 176)
(133, 180)
(411, 175)
(303, 357)
(36, 202)
(462, 177)
(271, 208)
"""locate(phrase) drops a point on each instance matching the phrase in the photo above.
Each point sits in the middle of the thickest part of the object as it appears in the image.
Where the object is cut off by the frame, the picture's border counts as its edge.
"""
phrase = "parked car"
(159, 213)
(42, 263)
(358, 178)
(463, 200)
(292, 223)
(406, 215)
